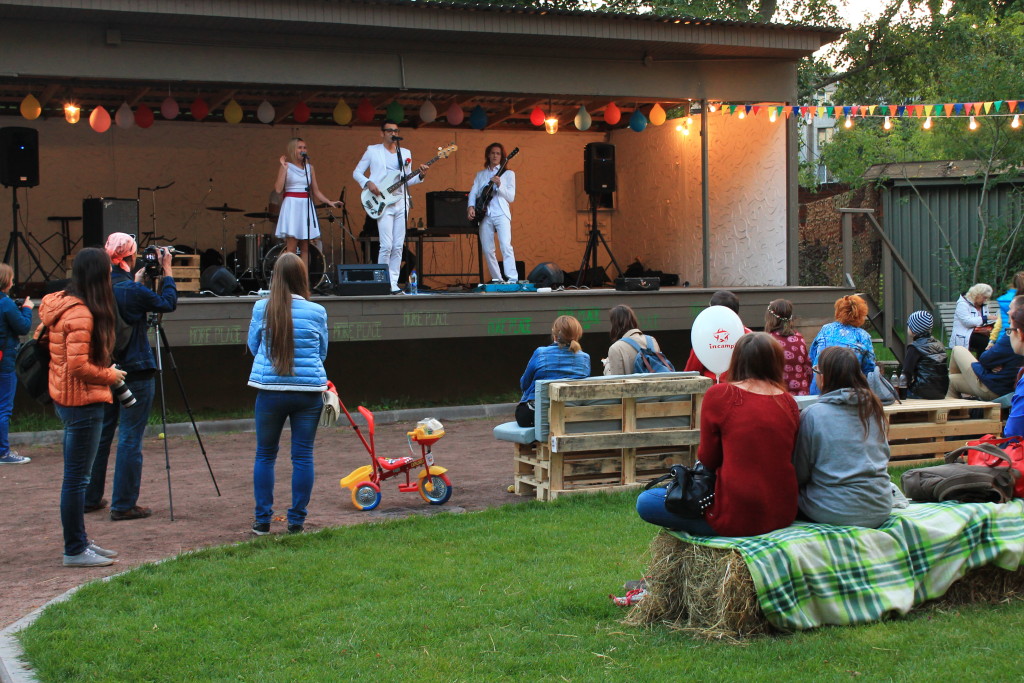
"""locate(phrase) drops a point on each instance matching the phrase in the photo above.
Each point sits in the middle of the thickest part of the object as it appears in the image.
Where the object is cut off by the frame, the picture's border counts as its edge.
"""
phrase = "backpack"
(647, 359)
(960, 482)
(32, 367)
(122, 331)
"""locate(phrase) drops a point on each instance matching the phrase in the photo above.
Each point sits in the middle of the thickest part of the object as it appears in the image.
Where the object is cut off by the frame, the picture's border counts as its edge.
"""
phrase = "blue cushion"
(511, 431)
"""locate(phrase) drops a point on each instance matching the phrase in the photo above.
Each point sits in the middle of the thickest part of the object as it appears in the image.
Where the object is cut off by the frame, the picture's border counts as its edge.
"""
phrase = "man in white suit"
(498, 220)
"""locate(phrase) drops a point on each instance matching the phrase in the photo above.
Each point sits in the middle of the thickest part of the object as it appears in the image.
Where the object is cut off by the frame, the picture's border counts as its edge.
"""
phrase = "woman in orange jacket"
(79, 322)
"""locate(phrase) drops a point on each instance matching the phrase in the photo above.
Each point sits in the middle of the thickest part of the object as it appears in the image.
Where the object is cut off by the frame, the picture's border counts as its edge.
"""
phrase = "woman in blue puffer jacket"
(288, 337)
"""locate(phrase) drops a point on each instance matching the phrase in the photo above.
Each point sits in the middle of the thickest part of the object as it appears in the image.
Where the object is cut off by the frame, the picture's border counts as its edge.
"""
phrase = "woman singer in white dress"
(297, 223)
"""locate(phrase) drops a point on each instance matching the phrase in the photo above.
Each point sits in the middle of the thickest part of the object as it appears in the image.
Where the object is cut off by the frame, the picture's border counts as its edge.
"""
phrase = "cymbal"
(261, 214)
(224, 209)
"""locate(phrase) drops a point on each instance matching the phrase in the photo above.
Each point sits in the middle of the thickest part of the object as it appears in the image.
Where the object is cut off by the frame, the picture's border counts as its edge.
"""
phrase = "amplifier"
(446, 212)
(362, 280)
(637, 284)
(104, 215)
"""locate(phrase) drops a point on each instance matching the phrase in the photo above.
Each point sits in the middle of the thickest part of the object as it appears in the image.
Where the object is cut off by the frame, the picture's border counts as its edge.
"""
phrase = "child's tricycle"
(433, 484)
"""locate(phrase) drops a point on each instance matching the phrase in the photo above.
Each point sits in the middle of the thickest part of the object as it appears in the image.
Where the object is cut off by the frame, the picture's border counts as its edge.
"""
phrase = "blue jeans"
(8, 385)
(82, 426)
(128, 465)
(650, 505)
(302, 409)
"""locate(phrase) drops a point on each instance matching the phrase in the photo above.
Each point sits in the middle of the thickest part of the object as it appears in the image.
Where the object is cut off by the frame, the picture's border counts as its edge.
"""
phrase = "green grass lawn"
(512, 593)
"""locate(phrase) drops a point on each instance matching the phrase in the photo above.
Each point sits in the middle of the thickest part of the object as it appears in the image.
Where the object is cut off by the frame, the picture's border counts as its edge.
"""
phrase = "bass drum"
(317, 269)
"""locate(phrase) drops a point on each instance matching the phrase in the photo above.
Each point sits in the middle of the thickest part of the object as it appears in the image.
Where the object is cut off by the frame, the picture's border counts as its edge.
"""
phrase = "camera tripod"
(161, 344)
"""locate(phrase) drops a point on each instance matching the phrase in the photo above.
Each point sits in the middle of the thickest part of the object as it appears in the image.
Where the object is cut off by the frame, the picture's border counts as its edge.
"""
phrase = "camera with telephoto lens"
(122, 393)
(151, 260)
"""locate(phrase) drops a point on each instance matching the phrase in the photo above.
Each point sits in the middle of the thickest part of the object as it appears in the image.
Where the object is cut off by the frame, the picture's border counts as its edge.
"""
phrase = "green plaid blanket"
(809, 574)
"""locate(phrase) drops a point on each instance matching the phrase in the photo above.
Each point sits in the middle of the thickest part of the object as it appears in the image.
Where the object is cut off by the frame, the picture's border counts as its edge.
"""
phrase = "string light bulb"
(771, 115)
(888, 124)
(973, 125)
(712, 108)
(927, 123)
(743, 114)
(848, 123)
(689, 120)
(551, 125)
(1016, 121)
(72, 112)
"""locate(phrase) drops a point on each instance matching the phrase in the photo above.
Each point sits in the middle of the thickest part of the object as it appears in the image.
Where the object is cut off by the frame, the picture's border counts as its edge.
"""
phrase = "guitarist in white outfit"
(382, 162)
(498, 218)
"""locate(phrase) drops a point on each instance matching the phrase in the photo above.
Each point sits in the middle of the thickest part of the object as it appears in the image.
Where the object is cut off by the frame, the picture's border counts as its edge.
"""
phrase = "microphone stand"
(310, 207)
(405, 203)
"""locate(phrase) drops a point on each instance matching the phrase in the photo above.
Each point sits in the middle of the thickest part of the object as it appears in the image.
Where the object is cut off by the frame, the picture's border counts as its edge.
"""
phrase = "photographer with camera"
(134, 301)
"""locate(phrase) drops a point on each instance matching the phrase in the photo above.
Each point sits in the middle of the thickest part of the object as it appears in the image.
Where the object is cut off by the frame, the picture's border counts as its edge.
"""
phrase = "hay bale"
(706, 591)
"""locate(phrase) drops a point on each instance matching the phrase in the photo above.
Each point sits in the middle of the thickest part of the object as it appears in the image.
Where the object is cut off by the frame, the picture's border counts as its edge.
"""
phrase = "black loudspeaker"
(518, 275)
(219, 280)
(362, 280)
(446, 212)
(599, 168)
(19, 157)
(104, 215)
(547, 275)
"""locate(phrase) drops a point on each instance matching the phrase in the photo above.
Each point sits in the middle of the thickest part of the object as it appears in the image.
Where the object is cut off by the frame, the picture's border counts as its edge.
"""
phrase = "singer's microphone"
(304, 155)
(395, 138)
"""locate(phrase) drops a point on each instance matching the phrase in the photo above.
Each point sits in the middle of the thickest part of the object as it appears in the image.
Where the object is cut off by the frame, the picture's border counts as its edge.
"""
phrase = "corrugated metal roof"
(926, 170)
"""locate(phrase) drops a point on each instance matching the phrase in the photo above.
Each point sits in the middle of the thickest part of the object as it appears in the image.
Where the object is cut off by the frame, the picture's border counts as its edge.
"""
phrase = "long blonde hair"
(292, 145)
(290, 277)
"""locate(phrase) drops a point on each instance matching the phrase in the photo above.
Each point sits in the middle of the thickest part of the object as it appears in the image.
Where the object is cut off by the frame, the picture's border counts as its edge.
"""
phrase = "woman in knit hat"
(925, 361)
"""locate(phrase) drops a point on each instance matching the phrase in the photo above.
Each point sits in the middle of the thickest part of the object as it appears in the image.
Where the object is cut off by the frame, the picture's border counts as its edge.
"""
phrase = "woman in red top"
(796, 364)
(748, 428)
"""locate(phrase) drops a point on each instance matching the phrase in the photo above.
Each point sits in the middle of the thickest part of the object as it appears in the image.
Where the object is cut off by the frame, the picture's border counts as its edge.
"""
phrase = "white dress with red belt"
(295, 207)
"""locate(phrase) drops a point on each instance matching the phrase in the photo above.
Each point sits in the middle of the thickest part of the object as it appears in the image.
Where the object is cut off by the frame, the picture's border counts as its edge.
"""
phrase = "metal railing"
(884, 317)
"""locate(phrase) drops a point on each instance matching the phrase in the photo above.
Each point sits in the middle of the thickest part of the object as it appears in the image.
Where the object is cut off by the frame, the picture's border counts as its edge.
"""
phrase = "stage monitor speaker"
(19, 156)
(219, 280)
(102, 216)
(547, 275)
(362, 280)
(446, 212)
(599, 168)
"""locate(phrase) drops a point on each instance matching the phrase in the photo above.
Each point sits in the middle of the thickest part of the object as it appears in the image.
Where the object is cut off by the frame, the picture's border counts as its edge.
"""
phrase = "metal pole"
(705, 210)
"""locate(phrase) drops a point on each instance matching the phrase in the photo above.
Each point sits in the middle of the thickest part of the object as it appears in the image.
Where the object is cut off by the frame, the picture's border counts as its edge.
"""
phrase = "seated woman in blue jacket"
(994, 373)
(563, 358)
(1015, 333)
(288, 339)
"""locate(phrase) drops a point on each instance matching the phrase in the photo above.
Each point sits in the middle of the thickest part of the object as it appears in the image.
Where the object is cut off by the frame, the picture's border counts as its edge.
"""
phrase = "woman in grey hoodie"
(841, 452)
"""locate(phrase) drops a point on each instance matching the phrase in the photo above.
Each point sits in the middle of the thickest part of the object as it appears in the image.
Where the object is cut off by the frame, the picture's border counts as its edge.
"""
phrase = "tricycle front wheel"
(436, 489)
(366, 496)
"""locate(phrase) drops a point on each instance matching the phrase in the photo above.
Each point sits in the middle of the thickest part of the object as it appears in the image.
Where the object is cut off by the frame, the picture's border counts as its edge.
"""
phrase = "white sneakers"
(92, 556)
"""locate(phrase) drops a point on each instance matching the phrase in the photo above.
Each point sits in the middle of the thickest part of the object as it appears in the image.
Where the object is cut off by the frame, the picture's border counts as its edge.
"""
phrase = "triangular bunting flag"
(1010, 106)
(900, 110)
(732, 108)
(787, 111)
(987, 107)
(757, 108)
(871, 109)
(950, 107)
(937, 110)
(958, 108)
(830, 112)
(854, 109)
(748, 107)
(997, 105)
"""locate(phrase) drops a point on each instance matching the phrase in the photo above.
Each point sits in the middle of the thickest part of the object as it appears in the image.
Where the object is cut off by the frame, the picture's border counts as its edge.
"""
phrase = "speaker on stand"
(19, 167)
(599, 183)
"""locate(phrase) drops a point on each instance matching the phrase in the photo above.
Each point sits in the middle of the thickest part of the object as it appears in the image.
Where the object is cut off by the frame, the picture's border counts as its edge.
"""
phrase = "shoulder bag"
(690, 490)
(957, 481)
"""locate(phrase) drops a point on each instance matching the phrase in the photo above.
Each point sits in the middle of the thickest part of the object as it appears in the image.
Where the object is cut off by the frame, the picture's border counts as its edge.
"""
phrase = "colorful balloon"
(583, 119)
(612, 114)
(99, 120)
(428, 112)
(124, 118)
(364, 112)
(265, 112)
(657, 114)
(396, 112)
(169, 108)
(342, 113)
(30, 107)
(144, 116)
(713, 336)
(455, 115)
(537, 116)
(233, 112)
(301, 112)
(478, 118)
(638, 121)
(199, 109)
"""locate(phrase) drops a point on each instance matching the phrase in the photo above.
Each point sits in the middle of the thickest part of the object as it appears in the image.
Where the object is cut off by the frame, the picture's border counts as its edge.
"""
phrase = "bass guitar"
(375, 205)
(483, 200)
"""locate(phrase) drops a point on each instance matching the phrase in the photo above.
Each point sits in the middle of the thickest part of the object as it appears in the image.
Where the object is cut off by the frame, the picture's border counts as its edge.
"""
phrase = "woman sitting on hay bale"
(748, 427)
(841, 451)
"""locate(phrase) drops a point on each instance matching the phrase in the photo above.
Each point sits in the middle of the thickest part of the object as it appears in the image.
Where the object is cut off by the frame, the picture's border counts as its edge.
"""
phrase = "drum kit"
(257, 249)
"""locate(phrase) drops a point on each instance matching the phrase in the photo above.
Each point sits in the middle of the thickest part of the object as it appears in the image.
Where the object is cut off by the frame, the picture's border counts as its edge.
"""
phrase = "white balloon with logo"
(714, 334)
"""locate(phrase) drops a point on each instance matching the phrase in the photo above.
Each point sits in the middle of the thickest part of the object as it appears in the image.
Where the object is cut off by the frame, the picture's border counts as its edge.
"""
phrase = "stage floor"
(224, 321)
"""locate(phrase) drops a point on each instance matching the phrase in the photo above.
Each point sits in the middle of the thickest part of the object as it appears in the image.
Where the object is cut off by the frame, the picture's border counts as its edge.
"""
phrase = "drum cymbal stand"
(147, 238)
(192, 217)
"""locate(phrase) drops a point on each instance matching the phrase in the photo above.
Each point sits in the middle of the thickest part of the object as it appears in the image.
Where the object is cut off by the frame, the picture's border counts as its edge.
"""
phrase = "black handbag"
(690, 490)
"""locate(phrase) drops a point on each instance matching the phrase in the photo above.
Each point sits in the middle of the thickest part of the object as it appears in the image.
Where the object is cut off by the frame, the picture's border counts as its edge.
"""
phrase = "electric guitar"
(375, 205)
(483, 200)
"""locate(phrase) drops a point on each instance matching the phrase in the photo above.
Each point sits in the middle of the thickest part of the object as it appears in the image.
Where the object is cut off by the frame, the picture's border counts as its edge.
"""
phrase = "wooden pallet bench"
(606, 433)
(921, 430)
